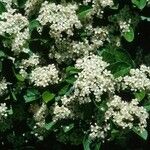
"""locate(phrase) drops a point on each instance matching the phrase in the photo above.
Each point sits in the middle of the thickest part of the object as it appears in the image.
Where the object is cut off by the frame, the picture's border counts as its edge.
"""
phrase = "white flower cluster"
(94, 78)
(31, 62)
(60, 112)
(124, 26)
(105, 3)
(60, 18)
(97, 132)
(100, 35)
(40, 114)
(70, 49)
(3, 111)
(125, 114)
(99, 5)
(139, 79)
(85, 2)
(3, 86)
(43, 76)
(15, 25)
(31, 6)
(73, 50)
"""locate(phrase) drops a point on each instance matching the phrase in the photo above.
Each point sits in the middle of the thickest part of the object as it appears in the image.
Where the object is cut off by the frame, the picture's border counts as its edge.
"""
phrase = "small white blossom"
(60, 18)
(126, 114)
(3, 86)
(124, 26)
(31, 6)
(3, 111)
(43, 76)
(32, 61)
(138, 79)
(15, 25)
(94, 78)
(60, 112)
(97, 132)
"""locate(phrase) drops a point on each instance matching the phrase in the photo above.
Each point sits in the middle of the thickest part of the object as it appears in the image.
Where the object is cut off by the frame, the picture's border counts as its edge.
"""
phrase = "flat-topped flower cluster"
(63, 68)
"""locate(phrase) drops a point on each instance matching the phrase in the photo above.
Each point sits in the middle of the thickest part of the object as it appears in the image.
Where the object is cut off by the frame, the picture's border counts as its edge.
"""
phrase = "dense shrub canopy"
(75, 72)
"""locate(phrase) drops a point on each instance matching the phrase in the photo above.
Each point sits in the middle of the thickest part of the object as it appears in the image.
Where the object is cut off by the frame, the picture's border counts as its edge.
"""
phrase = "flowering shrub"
(75, 71)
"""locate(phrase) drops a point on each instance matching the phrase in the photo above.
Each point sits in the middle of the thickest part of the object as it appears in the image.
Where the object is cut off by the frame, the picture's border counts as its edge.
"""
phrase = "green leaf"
(21, 3)
(33, 25)
(50, 125)
(97, 146)
(86, 143)
(31, 95)
(47, 96)
(140, 95)
(129, 36)
(147, 107)
(143, 135)
(2, 8)
(20, 77)
(72, 70)
(83, 14)
(139, 3)
(119, 69)
(112, 55)
(70, 80)
(13, 95)
(68, 127)
(2, 54)
(64, 90)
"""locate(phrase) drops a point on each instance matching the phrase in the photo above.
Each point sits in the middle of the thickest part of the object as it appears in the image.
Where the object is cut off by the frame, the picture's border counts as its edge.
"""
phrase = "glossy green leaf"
(143, 135)
(97, 146)
(31, 95)
(20, 77)
(68, 127)
(139, 3)
(70, 80)
(33, 25)
(129, 36)
(111, 55)
(2, 54)
(86, 143)
(64, 90)
(83, 14)
(47, 96)
(49, 126)
(147, 107)
(72, 70)
(140, 95)
(119, 69)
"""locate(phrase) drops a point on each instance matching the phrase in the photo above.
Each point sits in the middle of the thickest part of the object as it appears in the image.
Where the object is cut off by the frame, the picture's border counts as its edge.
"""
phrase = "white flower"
(3, 86)
(138, 79)
(125, 26)
(43, 76)
(97, 132)
(31, 6)
(93, 79)
(59, 18)
(32, 61)
(3, 111)
(60, 112)
(15, 25)
(126, 114)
